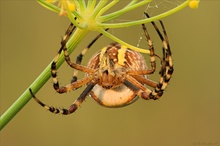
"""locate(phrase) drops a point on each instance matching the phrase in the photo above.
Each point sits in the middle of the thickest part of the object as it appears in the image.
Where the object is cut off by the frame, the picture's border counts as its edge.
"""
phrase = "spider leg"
(67, 35)
(167, 65)
(145, 81)
(76, 66)
(80, 56)
(151, 48)
(72, 107)
(64, 40)
(136, 86)
(136, 74)
(152, 57)
(74, 85)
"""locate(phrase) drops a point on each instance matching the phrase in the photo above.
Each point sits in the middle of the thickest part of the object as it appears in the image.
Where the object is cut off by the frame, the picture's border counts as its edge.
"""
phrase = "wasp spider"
(116, 75)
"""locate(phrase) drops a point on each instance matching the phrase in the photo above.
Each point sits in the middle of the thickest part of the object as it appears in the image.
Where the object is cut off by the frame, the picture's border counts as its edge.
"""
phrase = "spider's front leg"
(167, 64)
(80, 56)
(152, 58)
(56, 85)
(165, 72)
(77, 67)
(64, 40)
(135, 78)
(72, 107)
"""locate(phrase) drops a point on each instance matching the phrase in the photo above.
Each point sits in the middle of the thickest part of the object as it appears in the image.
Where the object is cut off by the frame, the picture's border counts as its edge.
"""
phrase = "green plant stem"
(122, 42)
(49, 6)
(107, 7)
(139, 22)
(118, 13)
(41, 80)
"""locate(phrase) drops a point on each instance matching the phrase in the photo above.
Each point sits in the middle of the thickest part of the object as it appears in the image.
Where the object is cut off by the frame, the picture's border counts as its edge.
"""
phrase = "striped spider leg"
(166, 68)
(80, 57)
(167, 64)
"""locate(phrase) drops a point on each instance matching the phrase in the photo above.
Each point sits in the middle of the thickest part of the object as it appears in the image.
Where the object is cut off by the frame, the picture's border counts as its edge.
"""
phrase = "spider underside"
(116, 75)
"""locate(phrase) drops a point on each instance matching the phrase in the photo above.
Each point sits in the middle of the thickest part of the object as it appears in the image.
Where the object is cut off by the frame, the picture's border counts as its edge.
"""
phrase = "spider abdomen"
(114, 97)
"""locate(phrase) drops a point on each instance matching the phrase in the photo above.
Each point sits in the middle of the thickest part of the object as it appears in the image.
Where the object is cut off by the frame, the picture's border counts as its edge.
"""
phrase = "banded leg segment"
(80, 56)
(72, 107)
(167, 65)
(145, 81)
(64, 40)
(136, 87)
(152, 57)
(63, 48)
(151, 48)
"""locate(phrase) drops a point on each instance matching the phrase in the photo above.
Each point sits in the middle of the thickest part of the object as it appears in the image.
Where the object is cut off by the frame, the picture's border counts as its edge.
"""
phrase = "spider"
(115, 76)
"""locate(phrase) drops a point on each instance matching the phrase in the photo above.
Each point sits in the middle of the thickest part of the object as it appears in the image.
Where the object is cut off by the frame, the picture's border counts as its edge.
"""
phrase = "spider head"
(110, 71)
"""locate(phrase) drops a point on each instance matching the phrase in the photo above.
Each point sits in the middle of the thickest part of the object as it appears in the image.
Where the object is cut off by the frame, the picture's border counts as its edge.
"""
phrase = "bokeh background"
(188, 114)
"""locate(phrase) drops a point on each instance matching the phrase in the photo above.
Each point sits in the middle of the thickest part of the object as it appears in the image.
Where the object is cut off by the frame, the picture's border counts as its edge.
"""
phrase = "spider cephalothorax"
(116, 75)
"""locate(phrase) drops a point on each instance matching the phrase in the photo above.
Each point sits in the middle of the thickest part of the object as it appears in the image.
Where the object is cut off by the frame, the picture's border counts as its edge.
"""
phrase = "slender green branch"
(146, 20)
(131, 3)
(122, 42)
(91, 5)
(107, 7)
(100, 5)
(75, 14)
(118, 13)
(72, 19)
(82, 5)
(77, 5)
(49, 6)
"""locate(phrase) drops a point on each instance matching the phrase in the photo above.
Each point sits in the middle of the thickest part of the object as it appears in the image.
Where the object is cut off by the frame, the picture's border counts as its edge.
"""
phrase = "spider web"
(156, 7)
(153, 8)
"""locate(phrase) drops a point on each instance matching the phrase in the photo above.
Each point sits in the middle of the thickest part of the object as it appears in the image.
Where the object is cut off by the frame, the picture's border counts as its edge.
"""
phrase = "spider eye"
(106, 71)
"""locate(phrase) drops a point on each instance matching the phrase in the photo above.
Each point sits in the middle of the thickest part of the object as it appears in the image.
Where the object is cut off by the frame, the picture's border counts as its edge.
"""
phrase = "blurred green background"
(188, 114)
